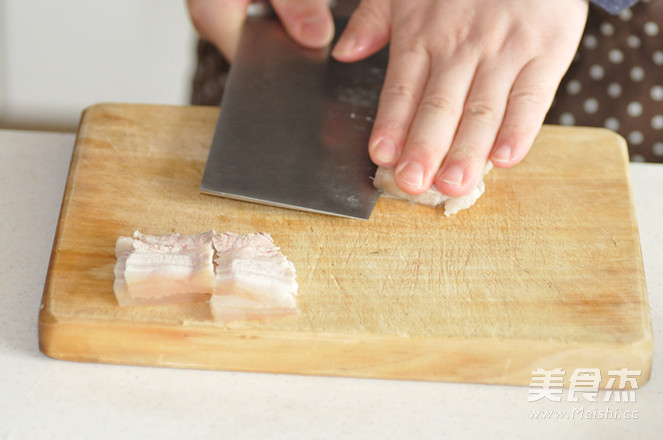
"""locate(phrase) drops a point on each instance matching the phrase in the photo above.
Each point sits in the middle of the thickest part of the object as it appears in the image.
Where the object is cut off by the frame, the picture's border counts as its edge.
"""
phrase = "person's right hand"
(308, 22)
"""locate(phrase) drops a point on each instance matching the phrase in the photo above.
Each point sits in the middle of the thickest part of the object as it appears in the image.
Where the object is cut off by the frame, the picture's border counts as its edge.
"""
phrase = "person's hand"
(308, 22)
(467, 81)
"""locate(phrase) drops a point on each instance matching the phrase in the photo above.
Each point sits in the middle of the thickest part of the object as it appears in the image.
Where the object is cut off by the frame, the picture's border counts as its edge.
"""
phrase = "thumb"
(219, 22)
(308, 22)
(368, 31)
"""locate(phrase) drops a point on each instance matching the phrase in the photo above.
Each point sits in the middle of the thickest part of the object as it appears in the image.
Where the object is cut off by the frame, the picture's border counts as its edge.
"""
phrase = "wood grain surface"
(545, 271)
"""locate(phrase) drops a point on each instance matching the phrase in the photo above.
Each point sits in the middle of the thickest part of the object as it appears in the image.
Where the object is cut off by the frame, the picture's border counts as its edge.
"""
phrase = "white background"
(59, 57)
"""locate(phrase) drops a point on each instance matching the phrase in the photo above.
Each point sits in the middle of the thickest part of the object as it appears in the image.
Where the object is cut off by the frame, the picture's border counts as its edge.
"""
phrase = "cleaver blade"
(294, 125)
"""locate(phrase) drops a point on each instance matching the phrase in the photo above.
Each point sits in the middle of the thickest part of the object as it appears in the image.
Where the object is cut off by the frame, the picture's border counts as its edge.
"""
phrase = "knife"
(294, 124)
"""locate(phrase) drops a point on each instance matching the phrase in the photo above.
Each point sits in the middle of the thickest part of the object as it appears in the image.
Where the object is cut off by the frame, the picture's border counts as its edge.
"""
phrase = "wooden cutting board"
(545, 271)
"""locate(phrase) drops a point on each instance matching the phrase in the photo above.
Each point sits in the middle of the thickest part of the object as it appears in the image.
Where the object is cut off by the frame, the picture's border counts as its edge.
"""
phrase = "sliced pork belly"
(152, 270)
(384, 180)
(253, 278)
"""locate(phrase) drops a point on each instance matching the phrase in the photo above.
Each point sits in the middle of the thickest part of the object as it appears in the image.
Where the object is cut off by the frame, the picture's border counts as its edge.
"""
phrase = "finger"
(308, 22)
(481, 120)
(367, 31)
(529, 101)
(435, 124)
(219, 22)
(403, 86)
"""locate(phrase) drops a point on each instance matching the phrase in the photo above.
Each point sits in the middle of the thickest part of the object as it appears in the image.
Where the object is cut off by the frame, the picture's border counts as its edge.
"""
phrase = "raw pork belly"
(253, 278)
(152, 270)
(384, 180)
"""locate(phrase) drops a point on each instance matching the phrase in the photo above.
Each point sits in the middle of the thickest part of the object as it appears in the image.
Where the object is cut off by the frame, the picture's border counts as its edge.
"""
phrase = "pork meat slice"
(253, 278)
(384, 180)
(163, 269)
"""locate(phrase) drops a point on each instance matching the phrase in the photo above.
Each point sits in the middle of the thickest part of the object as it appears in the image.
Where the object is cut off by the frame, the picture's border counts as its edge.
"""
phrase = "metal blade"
(294, 126)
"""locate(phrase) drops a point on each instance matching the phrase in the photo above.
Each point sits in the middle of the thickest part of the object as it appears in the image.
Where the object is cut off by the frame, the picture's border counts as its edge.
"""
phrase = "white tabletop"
(45, 398)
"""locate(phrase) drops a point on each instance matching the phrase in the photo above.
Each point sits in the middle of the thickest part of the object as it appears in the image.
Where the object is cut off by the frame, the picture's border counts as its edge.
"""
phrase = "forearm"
(614, 6)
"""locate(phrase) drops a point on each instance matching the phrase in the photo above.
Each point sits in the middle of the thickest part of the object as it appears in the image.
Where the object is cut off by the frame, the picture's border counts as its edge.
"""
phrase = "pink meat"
(384, 180)
(153, 270)
(253, 278)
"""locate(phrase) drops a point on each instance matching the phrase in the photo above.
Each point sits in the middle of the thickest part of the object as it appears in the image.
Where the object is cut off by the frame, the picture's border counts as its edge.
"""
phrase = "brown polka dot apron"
(615, 81)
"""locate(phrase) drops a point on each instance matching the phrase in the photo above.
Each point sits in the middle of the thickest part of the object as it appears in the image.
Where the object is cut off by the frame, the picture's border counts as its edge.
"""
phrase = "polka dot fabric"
(616, 79)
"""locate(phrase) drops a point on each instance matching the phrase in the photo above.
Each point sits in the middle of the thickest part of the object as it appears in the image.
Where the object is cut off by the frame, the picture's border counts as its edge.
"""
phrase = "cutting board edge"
(64, 207)
(365, 356)
(637, 250)
(639, 261)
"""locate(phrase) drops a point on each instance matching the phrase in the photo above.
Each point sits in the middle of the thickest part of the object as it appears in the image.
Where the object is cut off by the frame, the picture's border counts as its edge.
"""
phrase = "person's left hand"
(467, 80)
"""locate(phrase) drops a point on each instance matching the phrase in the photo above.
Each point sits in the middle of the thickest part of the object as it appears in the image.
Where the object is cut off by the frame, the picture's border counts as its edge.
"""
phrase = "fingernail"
(385, 150)
(345, 45)
(502, 154)
(314, 29)
(411, 173)
(452, 176)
